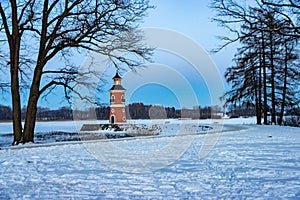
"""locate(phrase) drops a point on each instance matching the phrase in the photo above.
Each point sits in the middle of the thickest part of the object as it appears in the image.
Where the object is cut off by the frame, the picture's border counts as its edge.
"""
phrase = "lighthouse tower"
(117, 112)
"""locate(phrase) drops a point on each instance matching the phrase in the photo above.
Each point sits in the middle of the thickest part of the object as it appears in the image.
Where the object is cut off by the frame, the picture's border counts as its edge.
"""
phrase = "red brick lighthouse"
(117, 112)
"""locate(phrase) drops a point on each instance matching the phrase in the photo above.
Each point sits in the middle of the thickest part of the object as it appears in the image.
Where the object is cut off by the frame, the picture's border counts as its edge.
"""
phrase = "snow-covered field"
(244, 162)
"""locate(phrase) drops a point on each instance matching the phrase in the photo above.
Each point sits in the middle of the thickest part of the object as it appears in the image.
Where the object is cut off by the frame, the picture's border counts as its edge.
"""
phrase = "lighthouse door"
(112, 119)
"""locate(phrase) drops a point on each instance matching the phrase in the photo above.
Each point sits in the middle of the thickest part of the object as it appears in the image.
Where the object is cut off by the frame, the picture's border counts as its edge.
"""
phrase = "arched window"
(123, 99)
(112, 100)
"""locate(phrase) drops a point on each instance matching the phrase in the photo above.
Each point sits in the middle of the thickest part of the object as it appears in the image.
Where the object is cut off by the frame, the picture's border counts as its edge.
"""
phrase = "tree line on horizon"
(133, 111)
(141, 111)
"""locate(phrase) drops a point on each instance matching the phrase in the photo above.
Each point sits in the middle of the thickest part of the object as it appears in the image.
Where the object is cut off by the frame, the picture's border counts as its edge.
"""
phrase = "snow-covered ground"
(244, 162)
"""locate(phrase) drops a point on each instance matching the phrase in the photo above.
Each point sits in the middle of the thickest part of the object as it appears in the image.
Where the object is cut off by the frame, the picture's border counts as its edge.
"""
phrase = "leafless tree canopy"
(231, 14)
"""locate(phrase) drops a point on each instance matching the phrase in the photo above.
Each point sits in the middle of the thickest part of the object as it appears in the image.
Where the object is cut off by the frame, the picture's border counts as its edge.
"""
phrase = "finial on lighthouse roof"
(117, 74)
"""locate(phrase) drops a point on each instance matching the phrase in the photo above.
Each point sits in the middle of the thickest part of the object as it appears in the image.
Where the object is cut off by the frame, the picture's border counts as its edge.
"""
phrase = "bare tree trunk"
(273, 118)
(30, 119)
(16, 103)
(35, 86)
(14, 45)
(258, 117)
(32, 106)
(258, 96)
(265, 80)
(284, 86)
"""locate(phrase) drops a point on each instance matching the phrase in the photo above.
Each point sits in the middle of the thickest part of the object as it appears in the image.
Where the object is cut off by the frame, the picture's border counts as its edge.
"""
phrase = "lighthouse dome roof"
(117, 87)
(117, 75)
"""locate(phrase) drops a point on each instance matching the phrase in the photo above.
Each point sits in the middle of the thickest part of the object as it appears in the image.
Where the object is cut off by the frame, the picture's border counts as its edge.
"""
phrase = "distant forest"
(141, 111)
(134, 111)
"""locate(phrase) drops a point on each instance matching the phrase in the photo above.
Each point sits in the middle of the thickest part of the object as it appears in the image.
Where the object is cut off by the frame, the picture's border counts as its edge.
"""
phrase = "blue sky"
(172, 82)
(190, 18)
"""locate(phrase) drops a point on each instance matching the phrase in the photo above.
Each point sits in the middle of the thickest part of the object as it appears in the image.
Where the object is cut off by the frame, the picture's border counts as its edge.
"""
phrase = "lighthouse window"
(122, 98)
(123, 110)
(112, 110)
(112, 98)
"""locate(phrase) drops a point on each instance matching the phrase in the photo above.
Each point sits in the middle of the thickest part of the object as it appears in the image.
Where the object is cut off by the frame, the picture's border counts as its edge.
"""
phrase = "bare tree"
(260, 73)
(36, 32)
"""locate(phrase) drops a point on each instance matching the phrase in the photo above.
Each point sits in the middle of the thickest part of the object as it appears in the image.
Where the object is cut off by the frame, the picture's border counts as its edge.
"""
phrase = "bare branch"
(4, 21)
(290, 4)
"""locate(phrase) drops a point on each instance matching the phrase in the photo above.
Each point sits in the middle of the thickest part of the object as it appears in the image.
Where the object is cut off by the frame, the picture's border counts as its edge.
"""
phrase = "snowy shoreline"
(80, 140)
(66, 131)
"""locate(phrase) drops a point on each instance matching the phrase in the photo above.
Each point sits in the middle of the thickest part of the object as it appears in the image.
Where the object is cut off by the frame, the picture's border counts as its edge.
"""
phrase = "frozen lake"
(73, 126)
(51, 131)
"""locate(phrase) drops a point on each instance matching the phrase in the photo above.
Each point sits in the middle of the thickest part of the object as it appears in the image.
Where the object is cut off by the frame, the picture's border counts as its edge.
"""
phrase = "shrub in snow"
(292, 121)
